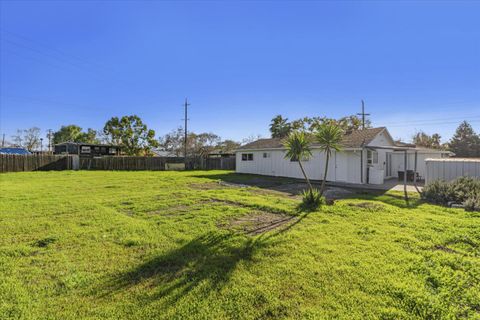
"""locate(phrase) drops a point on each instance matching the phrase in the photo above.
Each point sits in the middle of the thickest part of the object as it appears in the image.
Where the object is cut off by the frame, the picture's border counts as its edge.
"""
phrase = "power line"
(65, 61)
(430, 120)
(432, 123)
(48, 47)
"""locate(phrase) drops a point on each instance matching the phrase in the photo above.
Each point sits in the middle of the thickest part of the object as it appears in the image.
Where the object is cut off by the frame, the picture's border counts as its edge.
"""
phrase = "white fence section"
(452, 168)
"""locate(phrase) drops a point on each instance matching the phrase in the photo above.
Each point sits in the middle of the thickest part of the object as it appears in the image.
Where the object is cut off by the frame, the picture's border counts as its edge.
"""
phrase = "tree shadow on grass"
(395, 199)
(207, 261)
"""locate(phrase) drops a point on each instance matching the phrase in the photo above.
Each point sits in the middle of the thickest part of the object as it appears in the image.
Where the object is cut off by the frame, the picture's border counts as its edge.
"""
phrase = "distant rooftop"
(20, 151)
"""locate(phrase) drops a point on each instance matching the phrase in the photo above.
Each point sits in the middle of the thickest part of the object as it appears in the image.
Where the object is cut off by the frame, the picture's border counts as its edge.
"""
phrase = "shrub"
(438, 192)
(465, 188)
(311, 200)
(460, 190)
(472, 203)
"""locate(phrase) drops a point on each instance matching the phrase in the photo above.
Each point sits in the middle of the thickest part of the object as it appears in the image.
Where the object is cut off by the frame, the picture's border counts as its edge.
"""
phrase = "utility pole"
(186, 131)
(363, 114)
(49, 136)
(3, 140)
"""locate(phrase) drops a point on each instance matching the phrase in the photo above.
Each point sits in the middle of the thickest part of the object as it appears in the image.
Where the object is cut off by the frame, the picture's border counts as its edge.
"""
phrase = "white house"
(367, 156)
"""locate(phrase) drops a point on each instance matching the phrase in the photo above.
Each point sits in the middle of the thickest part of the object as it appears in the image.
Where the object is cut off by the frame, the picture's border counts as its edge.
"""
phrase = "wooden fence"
(133, 163)
(16, 163)
(218, 163)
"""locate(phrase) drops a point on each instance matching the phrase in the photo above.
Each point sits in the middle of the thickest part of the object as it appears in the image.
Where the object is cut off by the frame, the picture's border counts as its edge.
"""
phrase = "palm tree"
(328, 137)
(298, 148)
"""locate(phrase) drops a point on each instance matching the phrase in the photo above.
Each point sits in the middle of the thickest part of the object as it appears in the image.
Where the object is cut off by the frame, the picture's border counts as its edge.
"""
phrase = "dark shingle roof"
(360, 138)
(356, 139)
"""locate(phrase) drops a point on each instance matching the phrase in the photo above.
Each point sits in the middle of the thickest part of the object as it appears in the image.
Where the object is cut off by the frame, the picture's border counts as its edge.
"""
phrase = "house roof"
(360, 138)
(356, 139)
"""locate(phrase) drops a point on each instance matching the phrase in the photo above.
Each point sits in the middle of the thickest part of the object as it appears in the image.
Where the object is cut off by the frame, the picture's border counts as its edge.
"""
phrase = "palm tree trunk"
(305, 175)
(322, 188)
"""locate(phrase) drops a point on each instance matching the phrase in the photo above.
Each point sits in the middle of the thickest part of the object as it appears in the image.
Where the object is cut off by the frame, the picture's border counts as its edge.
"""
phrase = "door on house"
(388, 165)
(341, 166)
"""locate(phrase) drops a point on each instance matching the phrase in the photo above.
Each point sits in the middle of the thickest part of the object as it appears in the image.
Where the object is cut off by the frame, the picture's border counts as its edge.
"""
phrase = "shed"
(87, 149)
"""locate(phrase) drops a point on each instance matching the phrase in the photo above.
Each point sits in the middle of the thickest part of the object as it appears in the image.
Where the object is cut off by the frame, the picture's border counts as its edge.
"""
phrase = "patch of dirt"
(291, 188)
(206, 186)
(233, 185)
(178, 209)
(367, 205)
(337, 193)
(258, 222)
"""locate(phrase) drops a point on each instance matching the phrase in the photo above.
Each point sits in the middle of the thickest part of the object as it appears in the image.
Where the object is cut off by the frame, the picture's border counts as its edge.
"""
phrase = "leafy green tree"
(132, 134)
(90, 136)
(280, 127)
(329, 137)
(74, 133)
(298, 149)
(228, 146)
(465, 142)
(70, 133)
(422, 139)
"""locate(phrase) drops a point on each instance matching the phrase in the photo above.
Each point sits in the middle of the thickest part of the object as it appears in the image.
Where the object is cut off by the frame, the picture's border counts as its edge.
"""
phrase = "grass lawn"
(179, 245)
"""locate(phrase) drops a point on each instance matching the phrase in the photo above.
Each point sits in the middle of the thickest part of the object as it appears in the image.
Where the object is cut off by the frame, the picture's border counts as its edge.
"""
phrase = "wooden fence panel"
(132, 163)
(219, 164)
(17, 163)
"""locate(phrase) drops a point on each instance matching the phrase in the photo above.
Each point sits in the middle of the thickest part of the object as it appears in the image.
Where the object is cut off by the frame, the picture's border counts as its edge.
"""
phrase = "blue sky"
(416, 64)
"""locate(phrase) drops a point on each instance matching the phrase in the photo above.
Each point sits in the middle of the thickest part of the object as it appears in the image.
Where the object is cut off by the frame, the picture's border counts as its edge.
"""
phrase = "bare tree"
(251, 138)
(17, 139)
(27, 138)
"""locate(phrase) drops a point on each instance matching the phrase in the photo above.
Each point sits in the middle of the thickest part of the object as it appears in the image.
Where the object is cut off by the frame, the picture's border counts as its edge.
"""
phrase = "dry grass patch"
(258, 222)
(371, 206)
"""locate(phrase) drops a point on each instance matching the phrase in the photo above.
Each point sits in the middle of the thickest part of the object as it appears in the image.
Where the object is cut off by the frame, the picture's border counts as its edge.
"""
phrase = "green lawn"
(143, 245)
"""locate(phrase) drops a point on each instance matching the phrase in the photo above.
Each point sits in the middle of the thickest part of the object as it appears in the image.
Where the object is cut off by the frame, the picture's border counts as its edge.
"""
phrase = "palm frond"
(329, 136)
(298, 146)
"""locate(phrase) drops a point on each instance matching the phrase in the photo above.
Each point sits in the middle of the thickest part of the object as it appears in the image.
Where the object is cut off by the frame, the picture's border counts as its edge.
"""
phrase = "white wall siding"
(451, 169)
(382, 139)
(277, 165)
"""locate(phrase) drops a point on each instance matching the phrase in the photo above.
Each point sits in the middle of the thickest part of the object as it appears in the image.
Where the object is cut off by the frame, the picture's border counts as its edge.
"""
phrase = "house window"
(247, 156)
(112, 150)
(266, 155)
(372, 157)
(85, 149)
